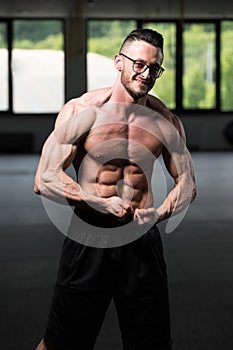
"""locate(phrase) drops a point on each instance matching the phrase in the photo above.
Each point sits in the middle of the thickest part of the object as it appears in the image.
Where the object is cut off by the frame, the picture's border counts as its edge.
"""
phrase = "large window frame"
(180, 26)
(139, 24)
(9, 22)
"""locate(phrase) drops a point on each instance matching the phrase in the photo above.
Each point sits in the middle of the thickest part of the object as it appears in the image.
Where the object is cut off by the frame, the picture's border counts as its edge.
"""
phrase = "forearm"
(51, 180)
(177, 200)
(69, 192)
(62, 189)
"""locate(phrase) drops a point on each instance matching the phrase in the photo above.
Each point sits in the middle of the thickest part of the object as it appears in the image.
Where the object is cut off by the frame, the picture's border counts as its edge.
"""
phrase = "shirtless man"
(112, 136)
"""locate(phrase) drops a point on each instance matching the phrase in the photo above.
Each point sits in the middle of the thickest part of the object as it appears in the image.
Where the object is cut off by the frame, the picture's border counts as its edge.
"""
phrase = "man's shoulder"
(92, 98)
(88, 100)
(159, 106)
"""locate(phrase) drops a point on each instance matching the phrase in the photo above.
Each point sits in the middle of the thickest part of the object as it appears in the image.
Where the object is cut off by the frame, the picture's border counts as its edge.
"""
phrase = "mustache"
(148, 81)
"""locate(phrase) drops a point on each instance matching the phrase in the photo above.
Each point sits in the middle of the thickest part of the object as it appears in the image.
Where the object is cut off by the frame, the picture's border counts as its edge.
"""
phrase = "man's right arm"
(58, 153)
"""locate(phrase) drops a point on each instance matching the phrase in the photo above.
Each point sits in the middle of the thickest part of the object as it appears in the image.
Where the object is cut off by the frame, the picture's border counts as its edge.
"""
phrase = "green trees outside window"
(38, 62)
(199, 60)
(37, 65)
(226, 85)
(104, 38)
(199, 67)
(165, 87)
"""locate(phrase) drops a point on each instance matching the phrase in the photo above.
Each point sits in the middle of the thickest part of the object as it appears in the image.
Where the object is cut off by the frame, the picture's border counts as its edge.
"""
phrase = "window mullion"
(10, 75)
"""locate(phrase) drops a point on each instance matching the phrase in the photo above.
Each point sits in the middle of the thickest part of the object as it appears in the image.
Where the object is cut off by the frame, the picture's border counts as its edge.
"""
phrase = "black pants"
(133, 275)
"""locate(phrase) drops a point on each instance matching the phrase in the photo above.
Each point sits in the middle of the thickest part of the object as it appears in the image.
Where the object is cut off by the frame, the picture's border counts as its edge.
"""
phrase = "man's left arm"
(179, 164)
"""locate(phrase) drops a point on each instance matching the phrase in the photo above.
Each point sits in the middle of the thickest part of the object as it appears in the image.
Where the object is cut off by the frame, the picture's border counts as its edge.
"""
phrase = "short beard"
(134, 94)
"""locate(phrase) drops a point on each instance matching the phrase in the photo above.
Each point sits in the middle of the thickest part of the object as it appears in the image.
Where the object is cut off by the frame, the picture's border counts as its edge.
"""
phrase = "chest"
(122, 140)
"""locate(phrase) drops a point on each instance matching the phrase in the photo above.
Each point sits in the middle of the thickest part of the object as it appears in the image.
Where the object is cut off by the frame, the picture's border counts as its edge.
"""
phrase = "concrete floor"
(199, 254)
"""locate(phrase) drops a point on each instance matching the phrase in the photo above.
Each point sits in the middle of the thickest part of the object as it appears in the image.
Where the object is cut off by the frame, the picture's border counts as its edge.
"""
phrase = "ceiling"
(122, 9)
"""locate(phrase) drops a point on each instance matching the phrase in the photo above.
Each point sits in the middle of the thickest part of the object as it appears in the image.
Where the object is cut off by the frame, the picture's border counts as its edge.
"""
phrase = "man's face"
(138, 85)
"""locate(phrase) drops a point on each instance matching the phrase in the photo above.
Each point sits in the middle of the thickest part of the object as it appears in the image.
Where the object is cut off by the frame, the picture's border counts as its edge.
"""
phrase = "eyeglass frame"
(158, 72)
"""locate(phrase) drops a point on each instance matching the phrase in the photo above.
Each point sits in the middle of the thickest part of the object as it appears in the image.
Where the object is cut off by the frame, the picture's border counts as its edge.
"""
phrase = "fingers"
(119, 208)
(124, 213)
(146, 216)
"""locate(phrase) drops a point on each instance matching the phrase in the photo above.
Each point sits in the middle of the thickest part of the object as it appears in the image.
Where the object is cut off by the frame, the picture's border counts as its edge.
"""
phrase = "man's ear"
(118, 62)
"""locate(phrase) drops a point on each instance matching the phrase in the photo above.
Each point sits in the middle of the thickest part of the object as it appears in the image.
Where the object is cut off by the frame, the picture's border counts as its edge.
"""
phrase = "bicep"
(170, 164)
(177, 158)
(54, 160)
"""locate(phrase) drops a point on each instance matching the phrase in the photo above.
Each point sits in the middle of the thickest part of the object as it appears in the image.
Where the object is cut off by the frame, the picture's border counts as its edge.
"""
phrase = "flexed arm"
(58, 153)
(51, 180)
(179, 164)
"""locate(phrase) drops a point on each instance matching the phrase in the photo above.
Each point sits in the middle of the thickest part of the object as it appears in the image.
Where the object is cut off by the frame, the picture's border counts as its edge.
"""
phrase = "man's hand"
(146, 216)
(118, 207)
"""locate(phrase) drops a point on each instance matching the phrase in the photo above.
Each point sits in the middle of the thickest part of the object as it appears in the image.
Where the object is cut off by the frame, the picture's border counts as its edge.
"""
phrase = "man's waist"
(97, 218)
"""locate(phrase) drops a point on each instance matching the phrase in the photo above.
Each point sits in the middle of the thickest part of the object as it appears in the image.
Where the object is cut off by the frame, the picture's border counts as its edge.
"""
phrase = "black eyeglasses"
(140, 67)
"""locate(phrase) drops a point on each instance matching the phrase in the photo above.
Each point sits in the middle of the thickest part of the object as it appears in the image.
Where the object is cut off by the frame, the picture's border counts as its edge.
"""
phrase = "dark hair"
(150, 36)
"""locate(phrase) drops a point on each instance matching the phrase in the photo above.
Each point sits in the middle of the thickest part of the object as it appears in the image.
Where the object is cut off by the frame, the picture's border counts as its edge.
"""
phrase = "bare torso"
(116, 157)
(113, 155)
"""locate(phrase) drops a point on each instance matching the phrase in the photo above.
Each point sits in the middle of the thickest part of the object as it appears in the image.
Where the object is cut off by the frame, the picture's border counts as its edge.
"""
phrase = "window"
(165, 87)
(226, 89)
(104, 38)
(198, 60)
(4, 72)
(37, 66)
(199, 66)
(34, 81)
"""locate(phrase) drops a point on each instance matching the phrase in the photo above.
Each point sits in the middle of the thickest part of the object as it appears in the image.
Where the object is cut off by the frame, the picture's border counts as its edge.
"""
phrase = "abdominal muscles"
(126, 181)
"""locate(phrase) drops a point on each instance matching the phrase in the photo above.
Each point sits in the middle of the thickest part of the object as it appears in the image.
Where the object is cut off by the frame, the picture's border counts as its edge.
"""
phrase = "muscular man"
(112, 137)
